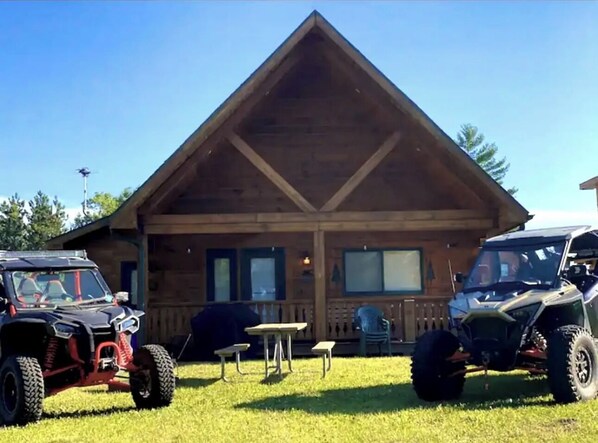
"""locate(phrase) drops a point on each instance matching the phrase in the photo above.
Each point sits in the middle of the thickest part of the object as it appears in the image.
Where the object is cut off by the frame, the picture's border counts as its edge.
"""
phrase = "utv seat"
(54, 289)
(27, 290)
(586, 283)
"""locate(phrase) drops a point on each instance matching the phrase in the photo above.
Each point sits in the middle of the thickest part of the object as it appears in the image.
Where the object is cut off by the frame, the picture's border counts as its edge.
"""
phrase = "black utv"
(530, 302)
(62, 327)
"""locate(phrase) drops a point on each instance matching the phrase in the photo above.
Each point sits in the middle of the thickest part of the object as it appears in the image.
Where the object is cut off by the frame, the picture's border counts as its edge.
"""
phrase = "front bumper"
(492, 341)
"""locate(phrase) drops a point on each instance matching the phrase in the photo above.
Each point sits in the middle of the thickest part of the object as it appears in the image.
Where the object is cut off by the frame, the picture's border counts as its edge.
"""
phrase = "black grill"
(489, 329)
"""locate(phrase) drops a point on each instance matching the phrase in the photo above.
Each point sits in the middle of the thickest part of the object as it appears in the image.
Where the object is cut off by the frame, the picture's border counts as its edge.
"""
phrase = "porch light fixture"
(306, 259)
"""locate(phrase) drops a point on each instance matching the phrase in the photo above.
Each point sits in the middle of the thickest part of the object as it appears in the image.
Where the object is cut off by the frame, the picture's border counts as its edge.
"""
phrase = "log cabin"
(316, 187)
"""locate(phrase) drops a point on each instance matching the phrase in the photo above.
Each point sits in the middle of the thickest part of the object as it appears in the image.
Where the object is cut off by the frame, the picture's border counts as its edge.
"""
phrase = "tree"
(484, 154)
(13, 226)
(46, 219)
(101, 205)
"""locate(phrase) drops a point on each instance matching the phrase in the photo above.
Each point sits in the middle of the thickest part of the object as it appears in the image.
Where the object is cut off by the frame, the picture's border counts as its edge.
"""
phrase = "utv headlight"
(130, 324)
(525, 314)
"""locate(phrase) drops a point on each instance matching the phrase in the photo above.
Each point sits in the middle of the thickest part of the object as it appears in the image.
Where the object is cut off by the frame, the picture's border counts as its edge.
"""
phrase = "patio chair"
(373, 328)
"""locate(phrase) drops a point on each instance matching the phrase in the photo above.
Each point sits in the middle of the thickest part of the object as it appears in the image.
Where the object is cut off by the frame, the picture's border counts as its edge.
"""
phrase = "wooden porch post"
(142, 284)
(410, 332)
(320, 308)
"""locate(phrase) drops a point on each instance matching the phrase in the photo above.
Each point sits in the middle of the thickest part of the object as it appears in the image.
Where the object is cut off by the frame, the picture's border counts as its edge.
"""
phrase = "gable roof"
(126, 215)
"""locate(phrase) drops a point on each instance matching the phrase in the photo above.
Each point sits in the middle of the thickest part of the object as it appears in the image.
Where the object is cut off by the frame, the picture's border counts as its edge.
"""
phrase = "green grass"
(360, 400)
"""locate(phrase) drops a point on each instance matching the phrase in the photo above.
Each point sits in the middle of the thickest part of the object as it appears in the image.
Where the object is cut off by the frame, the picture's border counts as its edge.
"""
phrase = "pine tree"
(13, 228)
(46, 219)
(484, 154)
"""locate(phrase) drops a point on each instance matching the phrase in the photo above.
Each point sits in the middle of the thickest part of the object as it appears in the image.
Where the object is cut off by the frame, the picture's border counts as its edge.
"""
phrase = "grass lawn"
(360, 400)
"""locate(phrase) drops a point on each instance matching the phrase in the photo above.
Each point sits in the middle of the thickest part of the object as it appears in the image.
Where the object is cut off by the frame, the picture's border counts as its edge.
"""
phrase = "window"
(263, 274)
(391, 271)
(222, 279)
(221, 275)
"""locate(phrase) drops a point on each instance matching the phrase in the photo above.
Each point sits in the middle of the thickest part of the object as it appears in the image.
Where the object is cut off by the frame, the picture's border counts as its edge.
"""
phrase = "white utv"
(530, 302)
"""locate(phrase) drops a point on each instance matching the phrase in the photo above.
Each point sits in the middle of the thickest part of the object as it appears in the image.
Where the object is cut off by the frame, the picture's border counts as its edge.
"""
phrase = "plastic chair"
(373, 328)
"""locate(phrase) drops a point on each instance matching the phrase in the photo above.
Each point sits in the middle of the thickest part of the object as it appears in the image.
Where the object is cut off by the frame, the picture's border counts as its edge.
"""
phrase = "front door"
(221, 268)
(263, 274)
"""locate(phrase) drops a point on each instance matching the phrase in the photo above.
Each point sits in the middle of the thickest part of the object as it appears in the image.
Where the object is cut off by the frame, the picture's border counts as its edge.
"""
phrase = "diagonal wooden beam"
(186, 171)
(270, 173)
(365, 169)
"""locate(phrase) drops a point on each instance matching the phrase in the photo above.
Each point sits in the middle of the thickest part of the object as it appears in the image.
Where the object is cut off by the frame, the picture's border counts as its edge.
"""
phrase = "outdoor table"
(277, 330)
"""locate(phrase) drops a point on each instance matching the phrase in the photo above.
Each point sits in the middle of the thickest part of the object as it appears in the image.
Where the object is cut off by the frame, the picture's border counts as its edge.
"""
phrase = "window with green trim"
(383, 271)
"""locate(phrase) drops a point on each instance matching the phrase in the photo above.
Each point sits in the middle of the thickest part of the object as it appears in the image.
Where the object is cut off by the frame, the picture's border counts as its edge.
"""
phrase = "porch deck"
(409, 317)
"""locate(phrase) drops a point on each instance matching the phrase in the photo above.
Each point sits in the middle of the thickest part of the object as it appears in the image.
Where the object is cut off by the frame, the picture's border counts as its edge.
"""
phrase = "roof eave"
(589, 184)
(121, 218)
(59, 241)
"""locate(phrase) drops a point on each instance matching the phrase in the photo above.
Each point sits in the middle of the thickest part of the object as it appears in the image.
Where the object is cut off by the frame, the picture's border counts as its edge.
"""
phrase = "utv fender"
(23, 336)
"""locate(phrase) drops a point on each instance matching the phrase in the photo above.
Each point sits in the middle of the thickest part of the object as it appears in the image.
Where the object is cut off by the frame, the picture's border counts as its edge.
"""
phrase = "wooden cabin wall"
(178, 262)
(435, 256)
(177, 273)
(108, 254)
(316, 129)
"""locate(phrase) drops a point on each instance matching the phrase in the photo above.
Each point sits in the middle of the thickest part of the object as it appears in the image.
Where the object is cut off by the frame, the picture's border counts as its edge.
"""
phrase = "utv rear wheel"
(433, 377)
(572, 365)
(152, 386)
(21, 390)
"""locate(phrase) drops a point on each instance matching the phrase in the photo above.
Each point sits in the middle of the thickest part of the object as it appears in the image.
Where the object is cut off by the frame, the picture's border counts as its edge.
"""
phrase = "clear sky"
(118, 86)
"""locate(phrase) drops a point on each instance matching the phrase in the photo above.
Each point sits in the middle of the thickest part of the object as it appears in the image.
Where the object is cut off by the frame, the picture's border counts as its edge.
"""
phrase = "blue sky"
(118, 86)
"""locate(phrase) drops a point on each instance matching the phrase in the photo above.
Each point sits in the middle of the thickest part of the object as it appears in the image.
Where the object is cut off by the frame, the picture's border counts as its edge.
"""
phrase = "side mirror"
(121, 297)
(459, 277)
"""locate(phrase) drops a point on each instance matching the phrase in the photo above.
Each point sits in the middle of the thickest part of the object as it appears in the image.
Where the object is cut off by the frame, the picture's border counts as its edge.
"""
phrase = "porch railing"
(165, 321)
(409, 316)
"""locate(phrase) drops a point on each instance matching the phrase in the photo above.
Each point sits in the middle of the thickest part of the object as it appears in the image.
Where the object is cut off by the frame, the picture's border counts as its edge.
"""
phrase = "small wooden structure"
(316, 187)
(589, 185)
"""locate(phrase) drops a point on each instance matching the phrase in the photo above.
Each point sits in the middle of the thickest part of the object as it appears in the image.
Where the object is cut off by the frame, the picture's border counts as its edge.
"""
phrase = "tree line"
(28, 225)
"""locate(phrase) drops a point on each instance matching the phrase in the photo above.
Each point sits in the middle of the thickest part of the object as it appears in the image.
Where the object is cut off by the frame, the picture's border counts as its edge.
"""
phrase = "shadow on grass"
(273, 379)
(190, 382)
(89, 412)
(505, 391)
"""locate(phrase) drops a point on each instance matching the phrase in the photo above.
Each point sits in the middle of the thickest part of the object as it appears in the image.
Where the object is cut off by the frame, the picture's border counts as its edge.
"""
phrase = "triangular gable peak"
(438, 152)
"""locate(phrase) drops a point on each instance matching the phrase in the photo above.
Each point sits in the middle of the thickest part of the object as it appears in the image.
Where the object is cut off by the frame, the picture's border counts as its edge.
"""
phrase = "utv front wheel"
(153, 384)
(572, 361)
(21, 390)
(433, 377)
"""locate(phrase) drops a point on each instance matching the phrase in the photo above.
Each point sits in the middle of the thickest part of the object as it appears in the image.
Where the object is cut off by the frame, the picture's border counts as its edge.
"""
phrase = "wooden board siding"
(410, 180)
(316, 129)
(434, 253)
(178, 280)
(108, 254)
(228, 183)
(178, 277)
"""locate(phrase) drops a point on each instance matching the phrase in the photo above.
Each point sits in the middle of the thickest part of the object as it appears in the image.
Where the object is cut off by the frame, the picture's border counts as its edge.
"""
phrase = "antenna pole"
(84, 171)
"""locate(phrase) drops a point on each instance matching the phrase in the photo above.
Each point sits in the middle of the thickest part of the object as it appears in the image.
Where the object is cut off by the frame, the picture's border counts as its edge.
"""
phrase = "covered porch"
(409, 318)
(311, 277)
